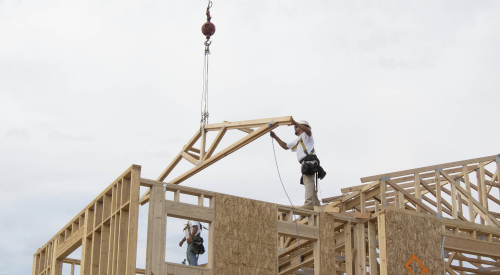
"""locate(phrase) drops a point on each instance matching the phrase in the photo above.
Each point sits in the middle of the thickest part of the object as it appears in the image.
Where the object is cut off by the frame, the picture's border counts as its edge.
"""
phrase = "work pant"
(191, 256)
(311, 194)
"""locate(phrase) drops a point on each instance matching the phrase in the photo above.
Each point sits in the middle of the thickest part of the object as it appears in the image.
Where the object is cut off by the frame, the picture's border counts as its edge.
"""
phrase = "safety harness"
(310, 164)
(303, 147)
(189, 229)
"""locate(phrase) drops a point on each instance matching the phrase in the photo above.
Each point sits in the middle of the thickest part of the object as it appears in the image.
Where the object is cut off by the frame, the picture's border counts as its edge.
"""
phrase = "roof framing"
(202, 158)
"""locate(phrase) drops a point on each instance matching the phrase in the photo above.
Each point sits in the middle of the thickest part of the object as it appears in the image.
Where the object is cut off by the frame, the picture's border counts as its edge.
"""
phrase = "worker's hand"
(181, 242)
(273, 135)
(293, 123)
(189, 240)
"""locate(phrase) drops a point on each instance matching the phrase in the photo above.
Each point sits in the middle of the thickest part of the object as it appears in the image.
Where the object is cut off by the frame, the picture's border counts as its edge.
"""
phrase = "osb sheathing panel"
(327, 244)
(407, 235)
(245, 236)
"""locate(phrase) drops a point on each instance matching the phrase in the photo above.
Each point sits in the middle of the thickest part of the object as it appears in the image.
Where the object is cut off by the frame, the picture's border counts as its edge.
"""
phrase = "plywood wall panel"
(245, 236)
(408, 234)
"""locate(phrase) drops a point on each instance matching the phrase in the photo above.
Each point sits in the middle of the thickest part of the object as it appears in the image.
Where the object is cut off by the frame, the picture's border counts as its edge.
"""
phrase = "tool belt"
(311, 166)
(198, 247)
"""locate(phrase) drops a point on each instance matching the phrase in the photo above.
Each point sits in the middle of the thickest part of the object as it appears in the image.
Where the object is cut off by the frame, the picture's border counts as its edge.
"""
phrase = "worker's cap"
(303, 122)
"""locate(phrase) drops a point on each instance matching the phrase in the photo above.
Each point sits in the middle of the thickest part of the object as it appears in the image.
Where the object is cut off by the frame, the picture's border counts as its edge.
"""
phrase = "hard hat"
(304, 123)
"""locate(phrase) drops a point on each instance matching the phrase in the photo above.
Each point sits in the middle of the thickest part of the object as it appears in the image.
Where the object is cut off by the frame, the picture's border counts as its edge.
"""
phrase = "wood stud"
(116, 207)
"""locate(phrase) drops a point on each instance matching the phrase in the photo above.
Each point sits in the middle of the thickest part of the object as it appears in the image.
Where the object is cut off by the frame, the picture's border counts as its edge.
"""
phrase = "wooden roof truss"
(202, 157)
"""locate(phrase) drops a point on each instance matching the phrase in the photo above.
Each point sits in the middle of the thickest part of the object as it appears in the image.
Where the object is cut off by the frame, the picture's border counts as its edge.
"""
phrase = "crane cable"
(204, 95)
(207, 29)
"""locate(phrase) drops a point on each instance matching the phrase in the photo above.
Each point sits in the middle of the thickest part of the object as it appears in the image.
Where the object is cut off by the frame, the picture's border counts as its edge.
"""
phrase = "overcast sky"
(89, 87)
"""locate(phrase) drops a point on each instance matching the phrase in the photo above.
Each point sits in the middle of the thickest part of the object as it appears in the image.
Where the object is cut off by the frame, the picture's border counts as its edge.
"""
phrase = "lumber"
(237, 145)
(289, 229)
(216, 142)
(428, 168)
(372, 247)
(178, 158)
(348, 239)
(411, 198)
(286, 120)
(189, 212)
(476, 271)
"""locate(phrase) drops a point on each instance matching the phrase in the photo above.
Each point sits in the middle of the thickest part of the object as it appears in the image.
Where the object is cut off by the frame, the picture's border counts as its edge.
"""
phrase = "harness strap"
(189, 229)
(303, 147)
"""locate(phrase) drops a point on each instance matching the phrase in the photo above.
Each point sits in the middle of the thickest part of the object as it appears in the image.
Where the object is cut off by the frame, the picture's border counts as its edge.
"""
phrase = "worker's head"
(299, 131)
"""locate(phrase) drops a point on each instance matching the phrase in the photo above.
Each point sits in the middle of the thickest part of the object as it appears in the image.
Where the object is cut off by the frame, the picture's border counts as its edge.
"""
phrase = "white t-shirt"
(297, 146)
(191, 224)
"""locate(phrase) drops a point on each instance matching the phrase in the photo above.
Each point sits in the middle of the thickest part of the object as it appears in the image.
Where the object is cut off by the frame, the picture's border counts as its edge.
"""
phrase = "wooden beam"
(352, 215)
(216, 142)
(178, 158)
(372, 248)
(411, 198)
(182, 189)
(368, 195)
(286, 120)
(360, 240)
(245, 130)
(481, 178)
(189, 158)
(418, 193)
(70, 244)
(454, 200)
(431, 190)
(234, 147)
(317, 257)
(194, 150)
(332, 199)
(478, 261)
(467, 185)
(156, 235)
(350, 196)
(307, 260)
(189, 212)
(348, 248)
(428, 168)
(290, 229)
(294, 247)
(476, 271)
(450, 271)
(203, 144)
(382, 244)
(439, 204)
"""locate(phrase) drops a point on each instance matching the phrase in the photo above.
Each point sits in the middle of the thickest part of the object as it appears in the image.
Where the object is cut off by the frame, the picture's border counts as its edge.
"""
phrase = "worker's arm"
(182, 241)
(302, 127)
(280, 142)
(190, 239)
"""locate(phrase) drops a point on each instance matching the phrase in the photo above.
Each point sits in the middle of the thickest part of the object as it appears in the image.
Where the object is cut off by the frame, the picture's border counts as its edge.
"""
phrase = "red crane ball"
(208, 29)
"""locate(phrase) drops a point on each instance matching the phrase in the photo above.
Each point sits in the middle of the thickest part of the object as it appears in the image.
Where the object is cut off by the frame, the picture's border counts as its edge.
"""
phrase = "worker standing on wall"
(194, 240)
(306, 155)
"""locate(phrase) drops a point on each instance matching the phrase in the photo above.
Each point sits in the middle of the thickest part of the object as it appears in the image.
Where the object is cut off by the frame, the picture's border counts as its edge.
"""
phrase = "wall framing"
(443, 214)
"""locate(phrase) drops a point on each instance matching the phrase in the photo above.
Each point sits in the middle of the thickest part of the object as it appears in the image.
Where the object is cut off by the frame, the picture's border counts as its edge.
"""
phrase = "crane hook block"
(208, 28)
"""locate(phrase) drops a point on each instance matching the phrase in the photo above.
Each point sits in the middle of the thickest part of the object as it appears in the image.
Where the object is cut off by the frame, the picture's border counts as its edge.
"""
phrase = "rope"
(320, 194)
(293, 208)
